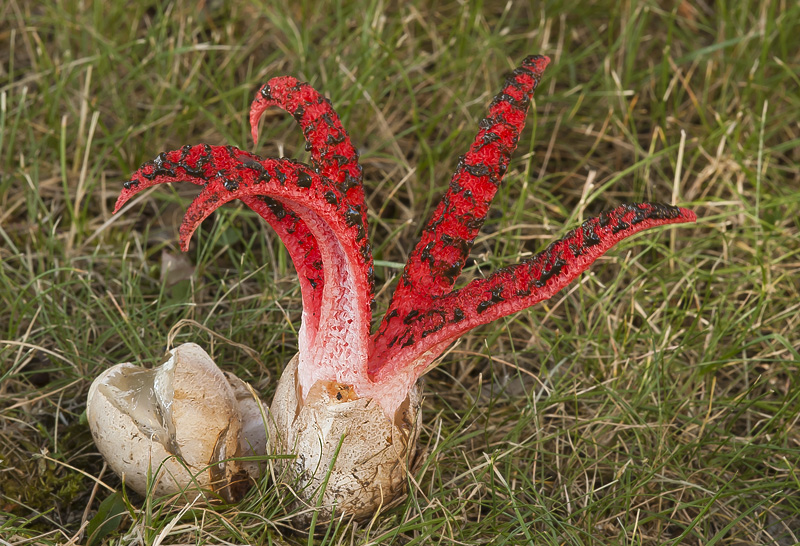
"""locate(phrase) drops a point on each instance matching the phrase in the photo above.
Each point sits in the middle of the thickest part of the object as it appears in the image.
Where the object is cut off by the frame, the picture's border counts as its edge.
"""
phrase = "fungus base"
(350, 458)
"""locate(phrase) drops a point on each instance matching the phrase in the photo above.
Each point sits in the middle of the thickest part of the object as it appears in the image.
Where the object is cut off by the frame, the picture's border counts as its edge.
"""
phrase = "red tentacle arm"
(438, 258)
(419, 339)
(303, 251)
(332, 153)
(200, 163)
(340, 348)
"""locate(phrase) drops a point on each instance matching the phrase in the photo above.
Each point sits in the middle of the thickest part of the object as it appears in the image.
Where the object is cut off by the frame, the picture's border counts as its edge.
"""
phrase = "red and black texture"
(437, 260)
(203, 163)
(320, 214)
(325, 235)
(440, 321)
(333, 155)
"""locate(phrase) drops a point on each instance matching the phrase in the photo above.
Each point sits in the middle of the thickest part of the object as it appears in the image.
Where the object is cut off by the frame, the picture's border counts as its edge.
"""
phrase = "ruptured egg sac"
(179, 423)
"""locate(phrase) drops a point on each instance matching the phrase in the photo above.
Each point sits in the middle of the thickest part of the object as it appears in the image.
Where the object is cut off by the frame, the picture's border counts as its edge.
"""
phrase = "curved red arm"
(296, 195)
(438, 258)
(202, 162)
(512, 289)
(332, 153)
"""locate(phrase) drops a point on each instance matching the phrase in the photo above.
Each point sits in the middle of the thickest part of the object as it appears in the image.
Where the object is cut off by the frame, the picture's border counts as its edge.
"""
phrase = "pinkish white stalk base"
(350, 458)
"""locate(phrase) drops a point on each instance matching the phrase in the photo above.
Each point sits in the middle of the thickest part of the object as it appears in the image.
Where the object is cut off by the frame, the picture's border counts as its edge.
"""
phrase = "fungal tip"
(254, 129)
(121, 200)
(688, 215)
(184, 242)
(538, 62)
(128, 191)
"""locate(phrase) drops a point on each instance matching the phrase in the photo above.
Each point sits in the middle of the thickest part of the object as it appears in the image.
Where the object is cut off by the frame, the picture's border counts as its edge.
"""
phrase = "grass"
(655, 401)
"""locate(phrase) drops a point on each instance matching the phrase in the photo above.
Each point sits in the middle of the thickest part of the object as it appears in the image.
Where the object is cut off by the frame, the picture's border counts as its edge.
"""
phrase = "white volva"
(179, 422)
(345, 441)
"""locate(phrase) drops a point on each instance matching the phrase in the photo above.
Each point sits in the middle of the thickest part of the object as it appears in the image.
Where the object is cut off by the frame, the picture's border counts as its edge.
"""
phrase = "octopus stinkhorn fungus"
(347, 405)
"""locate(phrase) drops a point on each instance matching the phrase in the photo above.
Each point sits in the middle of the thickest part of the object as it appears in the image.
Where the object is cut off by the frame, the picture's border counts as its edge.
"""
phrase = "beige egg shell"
(204, 422)
(373, 461)
(253, 437)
